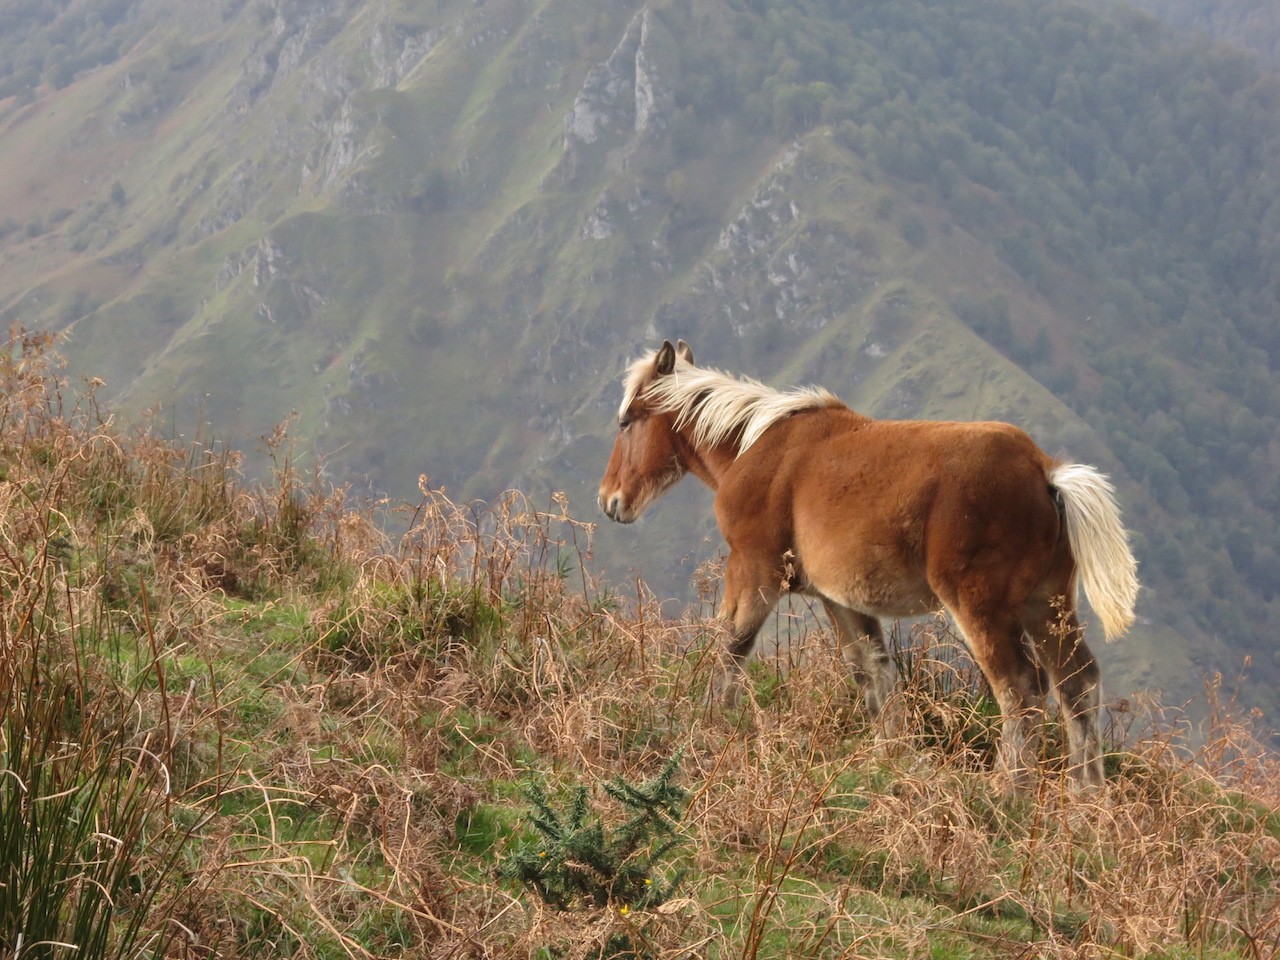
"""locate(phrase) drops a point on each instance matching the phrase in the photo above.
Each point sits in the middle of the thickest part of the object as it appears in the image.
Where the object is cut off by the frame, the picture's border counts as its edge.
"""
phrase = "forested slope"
(1252, 25)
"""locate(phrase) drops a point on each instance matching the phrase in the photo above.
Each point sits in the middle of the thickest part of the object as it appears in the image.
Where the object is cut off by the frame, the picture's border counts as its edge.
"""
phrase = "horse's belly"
(879, 594)
(870, 569)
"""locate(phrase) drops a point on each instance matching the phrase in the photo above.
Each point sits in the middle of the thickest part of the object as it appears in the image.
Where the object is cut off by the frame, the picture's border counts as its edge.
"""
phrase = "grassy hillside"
(434, 234)
(241, 720)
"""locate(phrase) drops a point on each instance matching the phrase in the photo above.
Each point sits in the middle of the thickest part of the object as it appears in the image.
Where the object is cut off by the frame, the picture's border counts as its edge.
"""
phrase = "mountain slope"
(436, 235)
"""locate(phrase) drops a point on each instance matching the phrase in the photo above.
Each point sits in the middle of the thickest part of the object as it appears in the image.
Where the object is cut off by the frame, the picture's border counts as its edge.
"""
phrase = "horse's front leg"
(752, 586)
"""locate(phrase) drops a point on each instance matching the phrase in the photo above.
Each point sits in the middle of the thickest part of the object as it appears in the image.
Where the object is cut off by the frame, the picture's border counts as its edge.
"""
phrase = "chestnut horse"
(881, 518)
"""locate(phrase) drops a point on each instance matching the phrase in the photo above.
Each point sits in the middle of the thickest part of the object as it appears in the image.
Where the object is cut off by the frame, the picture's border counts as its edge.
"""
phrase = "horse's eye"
(624, 423)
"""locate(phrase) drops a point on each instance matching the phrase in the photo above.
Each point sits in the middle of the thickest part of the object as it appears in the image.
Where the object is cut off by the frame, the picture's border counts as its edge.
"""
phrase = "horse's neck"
(710, 463)
(707, 463)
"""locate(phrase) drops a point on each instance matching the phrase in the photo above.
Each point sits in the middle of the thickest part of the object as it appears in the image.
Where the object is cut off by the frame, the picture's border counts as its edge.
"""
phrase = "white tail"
(1099, 543)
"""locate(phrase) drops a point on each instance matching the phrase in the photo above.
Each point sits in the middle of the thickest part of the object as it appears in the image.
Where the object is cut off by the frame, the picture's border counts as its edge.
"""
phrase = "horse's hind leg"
(862, 647)
(996, 642)
(1059, 642)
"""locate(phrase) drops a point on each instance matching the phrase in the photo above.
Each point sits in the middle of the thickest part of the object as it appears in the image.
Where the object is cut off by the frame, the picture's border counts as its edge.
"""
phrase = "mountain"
(435, 232)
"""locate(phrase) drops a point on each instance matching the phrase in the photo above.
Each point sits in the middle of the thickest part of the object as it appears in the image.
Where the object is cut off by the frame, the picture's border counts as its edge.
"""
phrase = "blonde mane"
(715, 404)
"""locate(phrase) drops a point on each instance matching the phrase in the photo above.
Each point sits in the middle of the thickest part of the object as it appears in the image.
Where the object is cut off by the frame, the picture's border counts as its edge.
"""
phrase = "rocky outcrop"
(599, 222)
(334, 138)
(268, 261)
(298, 29)
(345, 142)
(628, 95)
(283, 299)
(603, 220)
(233, 197)
(607, 100)
(759, 221)
(264, 257)
(342, 146)
(775, 267)
(395, 50)
(656, 73)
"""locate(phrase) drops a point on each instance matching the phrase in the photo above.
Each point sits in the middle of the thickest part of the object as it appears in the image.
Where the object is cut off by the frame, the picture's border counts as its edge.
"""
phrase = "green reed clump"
(89, 833)
(87, 840)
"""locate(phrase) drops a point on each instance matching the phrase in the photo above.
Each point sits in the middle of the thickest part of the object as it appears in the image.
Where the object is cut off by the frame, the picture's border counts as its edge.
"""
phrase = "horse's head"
(646, 458)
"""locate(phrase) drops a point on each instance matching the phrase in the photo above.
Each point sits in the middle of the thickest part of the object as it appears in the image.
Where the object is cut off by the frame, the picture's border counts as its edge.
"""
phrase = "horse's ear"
(684, 351)
(665, 361)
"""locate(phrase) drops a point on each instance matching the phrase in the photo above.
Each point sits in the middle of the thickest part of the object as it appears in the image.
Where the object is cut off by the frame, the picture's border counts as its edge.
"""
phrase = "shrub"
(577, 860)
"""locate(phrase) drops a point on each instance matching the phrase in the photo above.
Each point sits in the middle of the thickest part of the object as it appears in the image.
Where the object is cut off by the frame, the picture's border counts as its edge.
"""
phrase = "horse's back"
(885, 514)
(908, 463)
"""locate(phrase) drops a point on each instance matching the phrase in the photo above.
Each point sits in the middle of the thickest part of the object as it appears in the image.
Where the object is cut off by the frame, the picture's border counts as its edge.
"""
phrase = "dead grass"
(330, 727)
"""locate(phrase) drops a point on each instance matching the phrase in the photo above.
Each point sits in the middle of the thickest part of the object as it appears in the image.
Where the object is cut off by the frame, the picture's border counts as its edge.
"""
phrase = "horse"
(890, 518)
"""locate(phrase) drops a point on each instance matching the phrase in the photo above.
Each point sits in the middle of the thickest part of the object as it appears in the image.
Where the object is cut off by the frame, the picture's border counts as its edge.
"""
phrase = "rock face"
(630, 93)
(297, 59)
(777, 268)
(657, 66)
(297, 31)
(598, 225)
(268, 261)
(344, 141)
(395, 51)
(343, 146)
(606, 102)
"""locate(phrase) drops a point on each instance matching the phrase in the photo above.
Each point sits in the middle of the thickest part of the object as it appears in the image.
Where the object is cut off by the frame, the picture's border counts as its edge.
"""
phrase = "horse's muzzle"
(613, 508)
